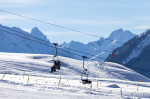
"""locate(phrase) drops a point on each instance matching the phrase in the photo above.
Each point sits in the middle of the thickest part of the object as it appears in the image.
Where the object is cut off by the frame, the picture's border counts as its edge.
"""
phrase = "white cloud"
(92, 22)
(145, 18)
(56, 33)
(8, 16)
(142, 27)
(16, 1)
(27, 30)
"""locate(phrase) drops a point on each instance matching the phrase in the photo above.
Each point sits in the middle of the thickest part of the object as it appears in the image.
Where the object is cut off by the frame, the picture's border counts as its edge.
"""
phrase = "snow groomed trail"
(27, 76)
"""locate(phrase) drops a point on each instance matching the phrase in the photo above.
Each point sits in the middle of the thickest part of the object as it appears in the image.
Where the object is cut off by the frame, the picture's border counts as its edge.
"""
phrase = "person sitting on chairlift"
(53, 69)
(58, 65)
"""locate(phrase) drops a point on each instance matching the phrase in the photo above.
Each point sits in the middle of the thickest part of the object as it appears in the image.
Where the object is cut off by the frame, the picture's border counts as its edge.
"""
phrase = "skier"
(58, 65)
(53, 69)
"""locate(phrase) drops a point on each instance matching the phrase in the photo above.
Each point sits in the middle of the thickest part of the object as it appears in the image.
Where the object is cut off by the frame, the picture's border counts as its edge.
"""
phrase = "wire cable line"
(38, 20)
(59, 26)
(63, 28)
(46, 41)
(38, 42)
(58, 45)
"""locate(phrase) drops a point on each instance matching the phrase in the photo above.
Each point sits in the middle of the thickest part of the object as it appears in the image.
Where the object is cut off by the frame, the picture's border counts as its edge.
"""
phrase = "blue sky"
(97, 17)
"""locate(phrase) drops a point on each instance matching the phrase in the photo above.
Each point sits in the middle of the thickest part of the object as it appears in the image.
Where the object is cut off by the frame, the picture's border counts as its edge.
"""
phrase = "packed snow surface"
(27, 76)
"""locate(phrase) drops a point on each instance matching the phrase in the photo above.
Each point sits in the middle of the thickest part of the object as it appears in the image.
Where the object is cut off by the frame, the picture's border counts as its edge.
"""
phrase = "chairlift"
(84, 76)
(56, 60)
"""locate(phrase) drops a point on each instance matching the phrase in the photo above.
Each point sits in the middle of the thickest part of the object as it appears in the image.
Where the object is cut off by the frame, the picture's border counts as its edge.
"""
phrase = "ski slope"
(27, 76)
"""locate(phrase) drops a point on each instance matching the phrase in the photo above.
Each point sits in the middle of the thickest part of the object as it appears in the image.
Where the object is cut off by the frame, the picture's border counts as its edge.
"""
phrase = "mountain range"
(102, 48)
(17, 40)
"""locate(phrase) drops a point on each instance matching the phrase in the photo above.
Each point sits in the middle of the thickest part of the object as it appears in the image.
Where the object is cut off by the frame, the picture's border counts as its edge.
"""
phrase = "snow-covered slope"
(38, 82)
(103, 46)
(135, 53)
(70, 67)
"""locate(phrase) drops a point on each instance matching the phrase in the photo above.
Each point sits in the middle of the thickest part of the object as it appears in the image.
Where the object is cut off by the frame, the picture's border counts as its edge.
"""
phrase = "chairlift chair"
(84, 76)
(56, 60)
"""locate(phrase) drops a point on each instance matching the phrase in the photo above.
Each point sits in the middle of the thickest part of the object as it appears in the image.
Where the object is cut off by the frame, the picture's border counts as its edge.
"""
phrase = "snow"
(39, 83)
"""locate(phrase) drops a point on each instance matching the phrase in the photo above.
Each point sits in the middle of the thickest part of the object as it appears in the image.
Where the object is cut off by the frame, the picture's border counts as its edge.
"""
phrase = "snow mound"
(113, 86)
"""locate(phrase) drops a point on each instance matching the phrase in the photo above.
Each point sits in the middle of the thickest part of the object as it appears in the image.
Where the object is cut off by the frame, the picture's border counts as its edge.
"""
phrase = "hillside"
(38, 82)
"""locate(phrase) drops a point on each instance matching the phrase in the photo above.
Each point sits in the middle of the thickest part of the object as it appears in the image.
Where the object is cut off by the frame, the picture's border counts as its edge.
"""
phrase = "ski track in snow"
(42, 84)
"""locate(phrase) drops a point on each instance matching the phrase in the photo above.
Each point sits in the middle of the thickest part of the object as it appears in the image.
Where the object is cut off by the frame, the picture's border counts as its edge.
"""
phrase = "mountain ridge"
(21, 45)
(103, 46)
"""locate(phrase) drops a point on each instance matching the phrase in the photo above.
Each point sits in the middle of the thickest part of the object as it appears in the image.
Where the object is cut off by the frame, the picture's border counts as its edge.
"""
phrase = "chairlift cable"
(52, 24)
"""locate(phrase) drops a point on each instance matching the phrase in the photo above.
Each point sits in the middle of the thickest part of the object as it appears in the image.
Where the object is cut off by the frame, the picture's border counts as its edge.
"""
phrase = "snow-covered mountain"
(22, 43)
(136, 52)
(103, 46)
(17, 40)
(37, 33)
